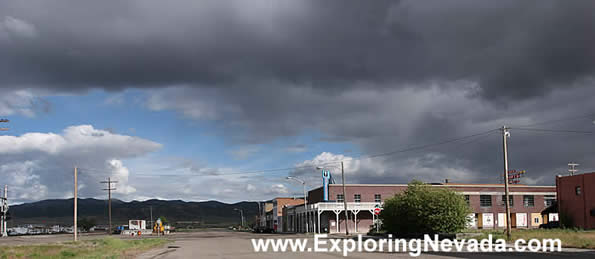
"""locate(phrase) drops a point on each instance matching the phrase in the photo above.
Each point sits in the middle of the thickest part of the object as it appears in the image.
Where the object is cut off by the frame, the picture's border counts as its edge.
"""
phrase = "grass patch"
(569, 237)
(108, 247)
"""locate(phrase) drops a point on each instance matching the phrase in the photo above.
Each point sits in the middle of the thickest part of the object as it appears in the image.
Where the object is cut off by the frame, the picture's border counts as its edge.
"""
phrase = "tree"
(422, 209)
(163, 220)
(86, 223)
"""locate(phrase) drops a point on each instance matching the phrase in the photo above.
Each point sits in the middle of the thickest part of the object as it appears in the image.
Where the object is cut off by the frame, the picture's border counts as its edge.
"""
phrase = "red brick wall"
(575, 207)
(364, 222)
(367, 192)
(499, 207)
(316, 195)
(387, 191)
(283, 202)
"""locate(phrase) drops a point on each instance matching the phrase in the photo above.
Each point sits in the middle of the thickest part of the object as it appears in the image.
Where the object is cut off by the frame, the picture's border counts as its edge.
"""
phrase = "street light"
(344, 196)
(241, 215)
(305, 197)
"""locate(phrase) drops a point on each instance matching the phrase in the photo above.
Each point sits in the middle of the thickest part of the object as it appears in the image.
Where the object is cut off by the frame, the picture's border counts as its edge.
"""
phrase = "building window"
(528, 201)
(548, 200)
(577, 190)
(377, 198)
(485, 200)
(467, 199)
(357, 197)
(340, 198)
(510, 200)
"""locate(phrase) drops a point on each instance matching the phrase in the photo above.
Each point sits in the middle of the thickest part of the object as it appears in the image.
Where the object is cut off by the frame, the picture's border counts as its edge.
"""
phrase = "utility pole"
(109, 202)
(344, 199)
(572, 168)
(151, 209)
(74, 230)
(258, 216)
(241, 216)
(4, 211)
(505, 135)
(4, 204)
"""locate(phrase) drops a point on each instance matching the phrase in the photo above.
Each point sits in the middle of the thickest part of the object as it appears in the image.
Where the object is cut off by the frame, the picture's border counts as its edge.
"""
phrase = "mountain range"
(60, 211)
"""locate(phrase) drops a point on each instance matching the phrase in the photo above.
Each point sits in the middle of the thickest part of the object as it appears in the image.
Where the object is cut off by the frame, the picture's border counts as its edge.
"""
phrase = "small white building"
(137, 224)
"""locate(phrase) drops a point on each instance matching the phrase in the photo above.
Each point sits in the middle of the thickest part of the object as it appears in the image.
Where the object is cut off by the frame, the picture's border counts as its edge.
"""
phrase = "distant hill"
(60, 211)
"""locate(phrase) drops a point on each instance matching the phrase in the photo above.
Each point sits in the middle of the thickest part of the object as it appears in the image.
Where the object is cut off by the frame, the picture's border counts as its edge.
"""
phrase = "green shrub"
(422, 209)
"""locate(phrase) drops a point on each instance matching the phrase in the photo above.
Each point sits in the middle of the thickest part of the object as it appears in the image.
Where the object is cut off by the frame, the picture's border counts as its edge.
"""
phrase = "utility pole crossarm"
(572, 168)
(109, 190)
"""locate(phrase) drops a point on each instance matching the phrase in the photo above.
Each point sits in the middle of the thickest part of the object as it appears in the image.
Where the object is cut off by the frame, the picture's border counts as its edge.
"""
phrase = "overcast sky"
(192, 99)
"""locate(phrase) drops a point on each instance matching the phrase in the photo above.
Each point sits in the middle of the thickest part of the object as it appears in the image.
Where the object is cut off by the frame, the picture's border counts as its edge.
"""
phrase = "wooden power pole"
(74, 230)
(344, 200)
(109, 202)
(4, 199)
(505, 135)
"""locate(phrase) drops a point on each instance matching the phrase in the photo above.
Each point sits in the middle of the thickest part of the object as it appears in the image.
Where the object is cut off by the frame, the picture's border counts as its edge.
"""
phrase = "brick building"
(485, 200)
(576, 200)
(274, 215)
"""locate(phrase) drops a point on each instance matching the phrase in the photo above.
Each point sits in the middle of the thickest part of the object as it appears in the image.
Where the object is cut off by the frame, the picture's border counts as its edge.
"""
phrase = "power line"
(589, 115)
(429, 145)
(479, 139)
(414, 148)
(555, 130)
(362, 156)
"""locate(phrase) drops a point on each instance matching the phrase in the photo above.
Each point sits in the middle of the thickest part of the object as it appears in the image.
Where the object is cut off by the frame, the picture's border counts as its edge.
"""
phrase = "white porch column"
(312, 213)
(319, 212)
(355, 212)
(312, 222)
(337, 217)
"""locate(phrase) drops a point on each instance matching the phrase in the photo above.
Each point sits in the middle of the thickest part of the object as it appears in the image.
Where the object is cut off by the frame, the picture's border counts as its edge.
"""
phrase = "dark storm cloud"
(513, 49)
(382, 75)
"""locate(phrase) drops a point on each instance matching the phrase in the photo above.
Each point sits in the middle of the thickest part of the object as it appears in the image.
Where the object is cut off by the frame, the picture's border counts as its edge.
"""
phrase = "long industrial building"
(326, 211)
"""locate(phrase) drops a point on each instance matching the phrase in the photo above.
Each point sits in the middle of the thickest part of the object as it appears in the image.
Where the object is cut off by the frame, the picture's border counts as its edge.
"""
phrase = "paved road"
(221, 244)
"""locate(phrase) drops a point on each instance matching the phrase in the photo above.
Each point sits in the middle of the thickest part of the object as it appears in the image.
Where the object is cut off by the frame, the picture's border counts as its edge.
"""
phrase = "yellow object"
(536, 219)
(158, 228)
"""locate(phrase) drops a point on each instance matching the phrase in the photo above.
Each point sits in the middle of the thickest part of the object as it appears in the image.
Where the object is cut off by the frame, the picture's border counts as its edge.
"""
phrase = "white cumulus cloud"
(40, 165)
